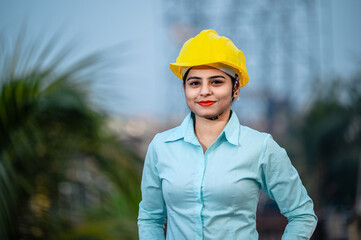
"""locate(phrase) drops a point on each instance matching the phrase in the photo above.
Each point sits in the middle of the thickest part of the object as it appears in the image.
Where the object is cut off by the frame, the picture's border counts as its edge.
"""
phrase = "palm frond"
(46, 121)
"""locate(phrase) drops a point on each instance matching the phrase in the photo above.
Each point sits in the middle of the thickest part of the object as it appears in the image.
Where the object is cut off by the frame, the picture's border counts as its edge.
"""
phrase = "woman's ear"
(236, 93)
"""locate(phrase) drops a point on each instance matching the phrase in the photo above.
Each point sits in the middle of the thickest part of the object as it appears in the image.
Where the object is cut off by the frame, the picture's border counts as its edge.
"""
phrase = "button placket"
(200, 187)
(205, 157)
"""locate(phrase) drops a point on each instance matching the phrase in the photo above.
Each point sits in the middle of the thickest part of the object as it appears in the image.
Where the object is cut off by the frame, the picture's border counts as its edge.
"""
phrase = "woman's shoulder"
(249, 132)
(167, 135)
(263, 140)
(253, 138)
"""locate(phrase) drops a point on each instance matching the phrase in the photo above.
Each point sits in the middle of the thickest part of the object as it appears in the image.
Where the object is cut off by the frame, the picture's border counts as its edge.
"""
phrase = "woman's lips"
(206, 103)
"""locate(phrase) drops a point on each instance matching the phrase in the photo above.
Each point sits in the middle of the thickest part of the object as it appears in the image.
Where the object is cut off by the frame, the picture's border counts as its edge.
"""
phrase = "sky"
(346, 33)
(141, 52)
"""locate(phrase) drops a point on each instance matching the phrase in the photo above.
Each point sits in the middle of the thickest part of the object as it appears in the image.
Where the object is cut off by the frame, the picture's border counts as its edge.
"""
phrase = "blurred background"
(85, 85)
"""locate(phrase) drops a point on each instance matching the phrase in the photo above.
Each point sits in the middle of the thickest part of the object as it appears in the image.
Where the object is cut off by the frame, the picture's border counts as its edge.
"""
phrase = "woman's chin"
(210, 113)
(206, 113)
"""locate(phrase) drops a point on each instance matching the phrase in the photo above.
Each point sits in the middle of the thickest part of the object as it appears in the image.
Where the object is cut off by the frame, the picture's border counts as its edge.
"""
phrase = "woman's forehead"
(205, 70)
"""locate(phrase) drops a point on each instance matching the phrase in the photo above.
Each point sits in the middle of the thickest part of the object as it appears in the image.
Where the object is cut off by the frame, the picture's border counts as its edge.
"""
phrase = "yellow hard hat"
(208, 48)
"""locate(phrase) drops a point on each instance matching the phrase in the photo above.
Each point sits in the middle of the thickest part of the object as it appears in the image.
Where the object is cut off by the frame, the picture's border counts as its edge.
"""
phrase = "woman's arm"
(152, 210)
(282, 183)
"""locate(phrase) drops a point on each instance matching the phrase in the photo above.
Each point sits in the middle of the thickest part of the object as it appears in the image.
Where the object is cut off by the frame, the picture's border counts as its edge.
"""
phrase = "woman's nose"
(205, 90)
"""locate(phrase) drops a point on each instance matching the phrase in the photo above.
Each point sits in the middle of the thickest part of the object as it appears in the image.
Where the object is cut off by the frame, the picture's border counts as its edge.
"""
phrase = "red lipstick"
(206, 103)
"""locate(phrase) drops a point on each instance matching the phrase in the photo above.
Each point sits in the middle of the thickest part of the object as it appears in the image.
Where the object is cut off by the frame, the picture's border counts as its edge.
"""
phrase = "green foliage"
(51, 136)
(330, 133)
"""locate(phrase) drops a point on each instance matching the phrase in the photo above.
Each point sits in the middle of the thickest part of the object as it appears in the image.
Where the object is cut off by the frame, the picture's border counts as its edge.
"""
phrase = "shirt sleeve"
(282, 183)
(152, 210)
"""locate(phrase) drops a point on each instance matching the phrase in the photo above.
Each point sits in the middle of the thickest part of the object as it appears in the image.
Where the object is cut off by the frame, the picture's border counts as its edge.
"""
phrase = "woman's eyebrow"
(216, 76)
(193, 78)
(212, 77)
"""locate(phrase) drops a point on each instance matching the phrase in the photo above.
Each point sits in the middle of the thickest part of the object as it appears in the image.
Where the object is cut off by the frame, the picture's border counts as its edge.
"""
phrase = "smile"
(206, 103)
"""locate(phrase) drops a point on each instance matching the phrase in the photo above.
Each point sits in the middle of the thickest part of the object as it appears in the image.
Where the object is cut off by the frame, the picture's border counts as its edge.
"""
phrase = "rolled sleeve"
(282, 183)
(152, 210)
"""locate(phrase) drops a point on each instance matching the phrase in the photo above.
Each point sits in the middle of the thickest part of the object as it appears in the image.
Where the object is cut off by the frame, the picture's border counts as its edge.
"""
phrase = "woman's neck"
(208, 130)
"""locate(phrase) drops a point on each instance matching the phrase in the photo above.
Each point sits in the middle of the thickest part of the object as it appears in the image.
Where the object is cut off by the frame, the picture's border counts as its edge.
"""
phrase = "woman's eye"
(217, 82)
(195, 83)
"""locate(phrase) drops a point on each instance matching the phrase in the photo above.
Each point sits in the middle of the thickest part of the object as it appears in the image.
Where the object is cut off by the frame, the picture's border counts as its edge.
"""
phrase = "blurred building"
(281, 40)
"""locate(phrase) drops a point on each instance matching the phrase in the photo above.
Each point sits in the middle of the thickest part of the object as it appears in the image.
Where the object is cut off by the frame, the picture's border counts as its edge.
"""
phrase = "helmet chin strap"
(215, 117)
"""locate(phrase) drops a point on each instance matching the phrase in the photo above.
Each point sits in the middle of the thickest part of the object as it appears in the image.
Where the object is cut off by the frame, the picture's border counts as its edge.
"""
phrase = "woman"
(204, 176)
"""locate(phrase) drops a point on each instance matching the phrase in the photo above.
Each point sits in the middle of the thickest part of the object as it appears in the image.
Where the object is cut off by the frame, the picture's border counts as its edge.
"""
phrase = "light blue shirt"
(214, 195)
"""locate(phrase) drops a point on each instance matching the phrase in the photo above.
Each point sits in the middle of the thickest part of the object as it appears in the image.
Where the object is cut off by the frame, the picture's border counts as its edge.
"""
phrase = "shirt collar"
(232, 129)
(186, 131)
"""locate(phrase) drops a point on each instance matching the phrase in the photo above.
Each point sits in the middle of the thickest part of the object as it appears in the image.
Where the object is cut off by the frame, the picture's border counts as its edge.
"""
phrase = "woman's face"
(208, 91)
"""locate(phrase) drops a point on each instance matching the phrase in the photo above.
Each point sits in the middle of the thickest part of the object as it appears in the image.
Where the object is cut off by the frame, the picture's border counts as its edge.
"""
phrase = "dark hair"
(185, 76)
